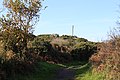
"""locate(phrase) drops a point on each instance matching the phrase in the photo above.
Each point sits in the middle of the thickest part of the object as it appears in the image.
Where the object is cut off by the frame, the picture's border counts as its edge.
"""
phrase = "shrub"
(83, 50)
(15, 29)
(107, 60)
(81, 40)
(2, 51)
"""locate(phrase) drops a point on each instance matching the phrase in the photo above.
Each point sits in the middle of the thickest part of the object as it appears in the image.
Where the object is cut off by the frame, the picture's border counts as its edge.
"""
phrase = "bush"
(63, 50)
(2, 51)
(107, 60)
(81, 40)
(83, 51)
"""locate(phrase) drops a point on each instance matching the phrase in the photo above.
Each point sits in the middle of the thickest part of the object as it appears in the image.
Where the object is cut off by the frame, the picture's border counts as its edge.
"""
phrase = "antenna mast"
(72, 30)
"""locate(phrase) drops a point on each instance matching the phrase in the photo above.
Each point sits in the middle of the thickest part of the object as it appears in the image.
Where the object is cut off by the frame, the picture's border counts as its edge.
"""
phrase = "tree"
(17, 25)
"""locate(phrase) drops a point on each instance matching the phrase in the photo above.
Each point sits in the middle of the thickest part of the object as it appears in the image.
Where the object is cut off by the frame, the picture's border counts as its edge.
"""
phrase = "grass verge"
(47, 71)
(86, 73)
(44, 71)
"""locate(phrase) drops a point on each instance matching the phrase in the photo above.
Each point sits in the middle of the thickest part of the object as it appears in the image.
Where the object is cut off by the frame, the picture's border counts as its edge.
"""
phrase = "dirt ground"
(65, 74)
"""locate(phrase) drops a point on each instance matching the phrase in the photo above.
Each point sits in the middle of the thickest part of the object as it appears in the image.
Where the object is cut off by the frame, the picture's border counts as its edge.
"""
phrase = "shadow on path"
(65, 74)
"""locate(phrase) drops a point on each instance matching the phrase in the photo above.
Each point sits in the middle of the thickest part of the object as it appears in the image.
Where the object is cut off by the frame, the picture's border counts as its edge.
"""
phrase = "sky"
(92, 19)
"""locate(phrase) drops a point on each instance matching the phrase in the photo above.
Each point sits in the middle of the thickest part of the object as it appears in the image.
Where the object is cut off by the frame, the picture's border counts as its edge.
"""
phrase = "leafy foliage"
(16, 27)
(62, 49)
(108, 58)
(83, 50)
(17, 24)
(20, 50)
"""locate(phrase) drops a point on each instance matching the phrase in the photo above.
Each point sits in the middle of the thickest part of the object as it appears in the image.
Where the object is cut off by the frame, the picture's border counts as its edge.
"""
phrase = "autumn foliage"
(15, 32)
(107, 60)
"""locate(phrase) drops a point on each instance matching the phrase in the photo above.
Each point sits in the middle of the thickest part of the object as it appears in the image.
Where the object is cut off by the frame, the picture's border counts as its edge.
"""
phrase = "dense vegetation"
(60, 49)
(15, 32)
(107, 61)
(50, 48)
(24, 54)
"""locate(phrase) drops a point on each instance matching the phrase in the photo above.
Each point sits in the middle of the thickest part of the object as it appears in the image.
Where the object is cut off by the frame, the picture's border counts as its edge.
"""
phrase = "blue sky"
(92, 18)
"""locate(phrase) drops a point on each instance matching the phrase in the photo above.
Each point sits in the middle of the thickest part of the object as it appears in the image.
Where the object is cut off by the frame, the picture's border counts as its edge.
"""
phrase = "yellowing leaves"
(17, 24)
(9, 54)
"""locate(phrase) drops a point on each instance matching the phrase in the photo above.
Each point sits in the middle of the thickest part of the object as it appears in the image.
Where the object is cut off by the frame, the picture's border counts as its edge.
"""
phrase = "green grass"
(47, 71)
(85, 73)
(44, 71)
(91, 76)
(82, 69)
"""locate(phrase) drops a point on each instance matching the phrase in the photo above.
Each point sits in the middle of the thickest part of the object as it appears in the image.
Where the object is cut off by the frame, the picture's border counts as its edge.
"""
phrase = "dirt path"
(65, 74)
